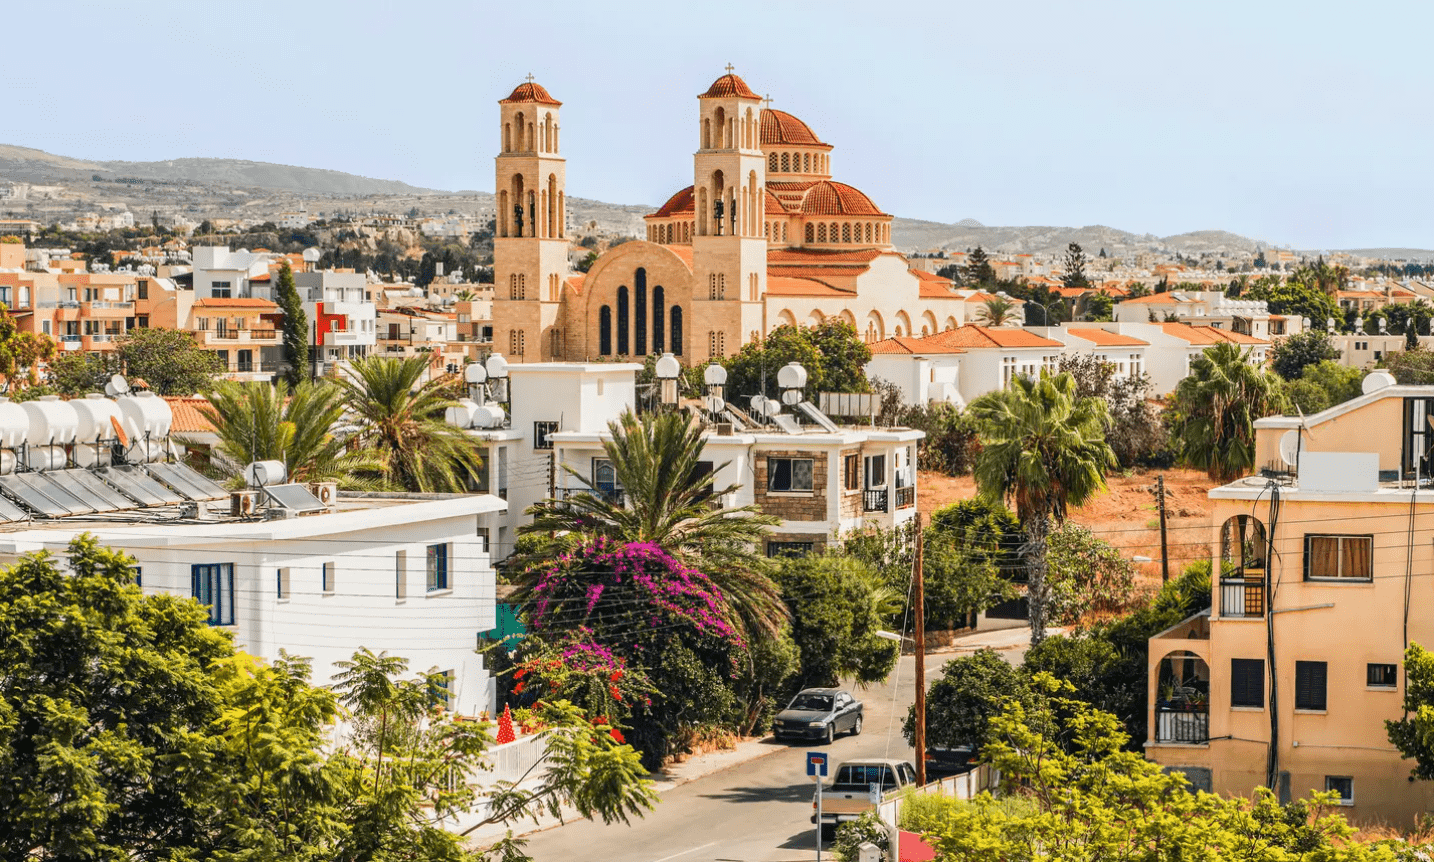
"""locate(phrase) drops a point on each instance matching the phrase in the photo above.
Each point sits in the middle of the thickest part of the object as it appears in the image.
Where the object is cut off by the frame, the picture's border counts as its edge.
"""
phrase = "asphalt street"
(757, 811)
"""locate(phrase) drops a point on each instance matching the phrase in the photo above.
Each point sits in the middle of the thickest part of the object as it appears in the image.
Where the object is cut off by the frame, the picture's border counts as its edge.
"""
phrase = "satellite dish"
(792, 397)
(714, 404)
(1290, 447)
(117, 386)
(1376, 380)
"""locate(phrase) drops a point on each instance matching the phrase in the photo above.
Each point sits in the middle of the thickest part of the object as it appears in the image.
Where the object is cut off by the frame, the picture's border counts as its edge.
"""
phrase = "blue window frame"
(437, 567)
(214, 587)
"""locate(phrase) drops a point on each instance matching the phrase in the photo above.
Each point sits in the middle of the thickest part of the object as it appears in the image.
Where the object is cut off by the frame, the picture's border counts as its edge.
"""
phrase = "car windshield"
(815, 702)
(860, 777)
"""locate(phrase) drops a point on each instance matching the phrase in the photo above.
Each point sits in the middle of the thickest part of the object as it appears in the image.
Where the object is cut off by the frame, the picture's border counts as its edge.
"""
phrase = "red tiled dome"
(780, 127)
(729, 85)
(678, 203)
(531, 91)
(773, 204)
(829, 198)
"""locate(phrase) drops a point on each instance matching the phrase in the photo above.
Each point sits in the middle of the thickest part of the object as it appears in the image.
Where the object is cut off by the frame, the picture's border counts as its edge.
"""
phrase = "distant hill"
(913, 235)
(264, 175)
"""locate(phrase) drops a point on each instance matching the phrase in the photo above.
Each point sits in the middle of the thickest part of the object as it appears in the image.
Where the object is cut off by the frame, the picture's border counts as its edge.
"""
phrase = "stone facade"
(792, 505)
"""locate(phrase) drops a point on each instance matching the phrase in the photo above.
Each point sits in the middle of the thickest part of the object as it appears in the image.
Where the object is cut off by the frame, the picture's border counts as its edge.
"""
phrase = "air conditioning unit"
(243, 504)
(326, 492)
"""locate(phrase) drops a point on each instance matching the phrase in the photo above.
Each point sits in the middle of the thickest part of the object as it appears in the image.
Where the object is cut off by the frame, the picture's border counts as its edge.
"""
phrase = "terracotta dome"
(677, 204)
(729, 85)
(531, 91)
(780, 127)
(829, 198)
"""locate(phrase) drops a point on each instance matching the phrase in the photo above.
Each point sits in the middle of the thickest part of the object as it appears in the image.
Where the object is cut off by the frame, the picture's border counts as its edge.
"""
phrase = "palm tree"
(1043, 447)
(1215, 409)
(259, 422)
(402, 418)
(996, 311)
(669, 502)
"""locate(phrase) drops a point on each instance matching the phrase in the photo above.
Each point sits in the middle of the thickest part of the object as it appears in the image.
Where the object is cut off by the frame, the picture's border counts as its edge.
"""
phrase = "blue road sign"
(817, 764)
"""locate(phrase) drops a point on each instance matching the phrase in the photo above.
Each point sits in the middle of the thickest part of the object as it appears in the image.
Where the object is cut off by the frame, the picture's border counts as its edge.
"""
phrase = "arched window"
(522, 124)
(846, 232)
(868, 231)
(622, 321)
(784, 231)
(507, 137)
(706, 134)
(555, 338)
(1243, 553)
(639, 307)
(810, 233)
(719, 126)
(605, 330)
(822, 232)
(807, 163)
(786, 161)
(676, 328)
(658, 321)
(772, 162)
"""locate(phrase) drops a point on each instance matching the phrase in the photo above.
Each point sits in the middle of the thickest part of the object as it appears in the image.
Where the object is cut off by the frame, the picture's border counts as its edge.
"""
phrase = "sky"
(1296, 123)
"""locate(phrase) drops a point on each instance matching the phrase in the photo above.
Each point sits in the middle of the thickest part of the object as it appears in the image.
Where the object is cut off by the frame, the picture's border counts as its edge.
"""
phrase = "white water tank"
(95, 412)
(46, 457)
(265, 473)
(7, 461)
(461, 414)
(85, 456)
(489, 416)
(14, 424)
(52, 421)
(146, 413)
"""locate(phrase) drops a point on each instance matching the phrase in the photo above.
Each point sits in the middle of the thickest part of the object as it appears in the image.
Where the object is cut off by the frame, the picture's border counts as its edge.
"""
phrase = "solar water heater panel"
(30, 498)
(57, 492)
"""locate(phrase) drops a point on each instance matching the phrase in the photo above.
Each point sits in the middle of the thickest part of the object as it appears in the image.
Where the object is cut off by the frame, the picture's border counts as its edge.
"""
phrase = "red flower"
(617, 736)
(517, 689)
(522, 672)
(612, 690)
(616, 675)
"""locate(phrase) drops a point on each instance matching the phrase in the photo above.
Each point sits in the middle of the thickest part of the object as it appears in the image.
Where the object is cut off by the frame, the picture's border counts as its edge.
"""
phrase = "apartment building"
(1324, 562)
(343, 323)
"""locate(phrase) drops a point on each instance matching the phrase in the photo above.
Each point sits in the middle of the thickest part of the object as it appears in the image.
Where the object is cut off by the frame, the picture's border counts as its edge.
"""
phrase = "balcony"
(107, 309)
(905, 498)
(874, 500)
(1242, 596)
(263, 337)
(1182, 724)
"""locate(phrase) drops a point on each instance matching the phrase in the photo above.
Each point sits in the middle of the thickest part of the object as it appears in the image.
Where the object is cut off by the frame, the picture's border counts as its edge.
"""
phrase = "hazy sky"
(1307, 123)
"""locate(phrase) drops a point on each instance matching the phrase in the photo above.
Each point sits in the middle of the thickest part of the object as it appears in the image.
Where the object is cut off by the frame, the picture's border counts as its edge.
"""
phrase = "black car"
(944, 760)
(820, 714)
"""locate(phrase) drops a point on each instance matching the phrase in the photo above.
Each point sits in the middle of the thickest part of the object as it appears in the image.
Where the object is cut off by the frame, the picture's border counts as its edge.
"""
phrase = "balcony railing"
(874, 500)
(1187, 726)
(243, 334)
(905, 498)
(1242, 597)
(615, 496)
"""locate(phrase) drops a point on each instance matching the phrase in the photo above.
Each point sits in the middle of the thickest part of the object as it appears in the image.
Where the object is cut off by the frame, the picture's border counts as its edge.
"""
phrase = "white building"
(1173, 346)
(223, 274)
(925, 371)
(343, 323)
(1125, 352)
(1208, 308)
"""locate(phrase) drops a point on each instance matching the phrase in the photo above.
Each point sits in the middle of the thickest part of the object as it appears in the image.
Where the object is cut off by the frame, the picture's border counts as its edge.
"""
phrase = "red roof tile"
(1208, 334)
(187, 416)
(729, 85)
(1106, 338)
(936, 290)
(832, 198)
(531, 91)
(681, 202)
(904, 345)
(972, 336)
(820, 257)
(780, 127)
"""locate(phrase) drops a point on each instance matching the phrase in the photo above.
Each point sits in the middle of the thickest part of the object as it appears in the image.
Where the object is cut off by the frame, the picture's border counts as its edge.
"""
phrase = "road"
(758, 811)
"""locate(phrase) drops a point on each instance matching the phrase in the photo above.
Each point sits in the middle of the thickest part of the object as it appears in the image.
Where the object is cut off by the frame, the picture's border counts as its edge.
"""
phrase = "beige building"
(1325, 568)
(764, 236)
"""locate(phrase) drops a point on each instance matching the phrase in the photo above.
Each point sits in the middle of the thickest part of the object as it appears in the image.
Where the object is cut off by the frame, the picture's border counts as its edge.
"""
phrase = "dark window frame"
(790, 549)
(1247, 683)
(213, 586)
(542, 435)
(790, 473)
(851, 472)
(1339, 578)
(437, 563)
(1378, 675)
(1341, 784)
(1312, 686)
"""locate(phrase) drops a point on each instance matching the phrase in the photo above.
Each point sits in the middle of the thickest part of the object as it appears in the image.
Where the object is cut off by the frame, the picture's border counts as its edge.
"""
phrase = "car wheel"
(831, 733)
(856, 726)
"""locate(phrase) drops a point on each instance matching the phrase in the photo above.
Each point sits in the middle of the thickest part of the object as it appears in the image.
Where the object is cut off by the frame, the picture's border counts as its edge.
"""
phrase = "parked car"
(942, 760)
(819, 714)
(850, 792)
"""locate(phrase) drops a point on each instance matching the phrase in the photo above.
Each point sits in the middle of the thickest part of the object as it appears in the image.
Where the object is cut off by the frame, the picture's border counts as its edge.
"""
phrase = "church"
(763, 237)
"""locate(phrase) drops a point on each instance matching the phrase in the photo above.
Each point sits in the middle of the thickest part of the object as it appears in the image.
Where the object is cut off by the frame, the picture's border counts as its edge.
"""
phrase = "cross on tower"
(729, 68)
(530, 77)
(767, 100)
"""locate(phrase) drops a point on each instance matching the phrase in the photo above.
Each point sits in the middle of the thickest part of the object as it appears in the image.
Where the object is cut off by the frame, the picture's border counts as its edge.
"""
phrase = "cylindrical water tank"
(85, 456)
(14, 424)
(52, 421)
(461, 414)
(7, 461)
(265, 473)
(94, 412)
(147, 413)
(488, 416)
(46, 457)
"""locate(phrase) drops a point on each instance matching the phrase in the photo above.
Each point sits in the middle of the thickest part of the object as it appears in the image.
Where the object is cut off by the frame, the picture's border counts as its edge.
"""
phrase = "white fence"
(967, 785)
(511, 762)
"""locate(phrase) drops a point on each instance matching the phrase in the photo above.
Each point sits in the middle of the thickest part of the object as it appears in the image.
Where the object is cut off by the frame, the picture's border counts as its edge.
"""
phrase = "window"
(440, 689)
(214, 586)
(542, 433)
(327, 580)
(857, 778)
(605, 481)
(400, 575)
(1381, 676)
(1310, 684)
(437, 567)
(1341, 784)
(851, 472)
(789, 474)
(1247, 682)
(789, 549)
(876, 471)
(1339, 557)
(220, 289)
(281, 578)
(138, 575)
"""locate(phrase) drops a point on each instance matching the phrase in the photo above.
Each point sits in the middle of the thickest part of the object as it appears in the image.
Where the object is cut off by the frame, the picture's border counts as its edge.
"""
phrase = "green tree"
(960, 703)
(1414, 367)
(833, 603)
(1413, 734)
(1136, 433)
(832, 353)
(1340, 382)
(402, 416)
(76, 372)
(1215, 409)
(1086, 574)
(20, 353)
(1306, 396)
(666, 500)
(170, 361)
(1044, 448)
(979, 272)
(260, 422)
(996, 311)
(296, 327)
(1099, 307)
(1296, 299)
(1291, 355)
(1073, 272)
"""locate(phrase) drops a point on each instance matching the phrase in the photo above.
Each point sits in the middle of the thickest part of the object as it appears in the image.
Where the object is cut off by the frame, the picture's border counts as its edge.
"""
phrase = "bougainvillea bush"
(637, 637)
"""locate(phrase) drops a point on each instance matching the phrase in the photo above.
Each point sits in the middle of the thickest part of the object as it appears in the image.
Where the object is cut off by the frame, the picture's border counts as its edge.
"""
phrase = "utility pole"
(1164, 552)
(920, 590)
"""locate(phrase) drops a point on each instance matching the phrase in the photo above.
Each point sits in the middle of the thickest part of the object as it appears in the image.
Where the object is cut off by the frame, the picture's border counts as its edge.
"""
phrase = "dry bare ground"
(1123, 515)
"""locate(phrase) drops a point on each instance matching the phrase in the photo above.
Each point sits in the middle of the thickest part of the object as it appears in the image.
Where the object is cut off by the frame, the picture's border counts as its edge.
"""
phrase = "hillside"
(264, 175)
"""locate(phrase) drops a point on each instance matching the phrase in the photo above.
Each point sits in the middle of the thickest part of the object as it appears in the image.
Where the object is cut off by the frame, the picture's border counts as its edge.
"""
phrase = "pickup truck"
(850, 792)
